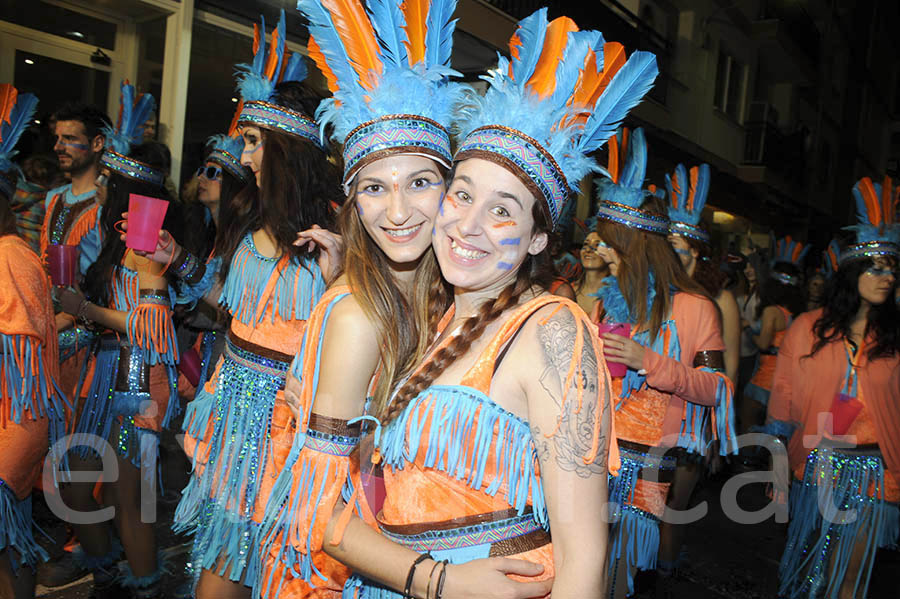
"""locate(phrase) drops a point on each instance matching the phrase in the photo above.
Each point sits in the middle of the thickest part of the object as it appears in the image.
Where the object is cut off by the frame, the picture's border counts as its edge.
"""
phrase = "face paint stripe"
(504, 266)
(511, 241)
(509, 223)
(74, 144)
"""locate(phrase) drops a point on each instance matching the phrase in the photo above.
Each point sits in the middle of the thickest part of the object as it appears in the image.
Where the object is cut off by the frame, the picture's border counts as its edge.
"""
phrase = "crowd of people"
(389, 385)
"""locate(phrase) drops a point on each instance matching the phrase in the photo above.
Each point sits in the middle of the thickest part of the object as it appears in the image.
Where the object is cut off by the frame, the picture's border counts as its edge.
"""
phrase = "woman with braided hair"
(502, 433)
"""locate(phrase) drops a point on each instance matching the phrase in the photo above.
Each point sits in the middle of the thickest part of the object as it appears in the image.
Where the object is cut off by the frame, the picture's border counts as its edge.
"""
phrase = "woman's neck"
(404, 275)
(592, 279)
(859, 322)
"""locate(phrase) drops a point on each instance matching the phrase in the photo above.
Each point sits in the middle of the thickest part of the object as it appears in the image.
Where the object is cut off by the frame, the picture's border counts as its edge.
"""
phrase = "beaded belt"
(256, 357)
(507, 532)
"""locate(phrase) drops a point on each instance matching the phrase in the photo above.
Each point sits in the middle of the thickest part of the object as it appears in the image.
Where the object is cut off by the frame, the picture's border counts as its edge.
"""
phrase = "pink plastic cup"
(189, 365)
(616, 369)
(62, 260)
(145, 219)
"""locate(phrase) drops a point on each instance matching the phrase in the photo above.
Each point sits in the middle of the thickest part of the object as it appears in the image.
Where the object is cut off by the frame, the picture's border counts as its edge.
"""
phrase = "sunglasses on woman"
(209, 172)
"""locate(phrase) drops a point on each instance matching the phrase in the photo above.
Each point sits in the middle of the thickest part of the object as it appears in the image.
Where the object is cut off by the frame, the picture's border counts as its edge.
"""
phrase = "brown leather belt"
(501, 548)
(662, 475)
(332, 426)
(259, 350)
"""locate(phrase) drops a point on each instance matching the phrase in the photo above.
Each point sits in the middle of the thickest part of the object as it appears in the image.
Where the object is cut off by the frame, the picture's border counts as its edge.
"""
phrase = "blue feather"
(680, 194)
(279, 49)
(439, 32)
(259, 59)
(139, 115)
(634, 170)
(626, 90)
(322, 28)
(531, 32)
(251, 85)
(19, 119)
(578, 45)
(296, 68)
(388, 22)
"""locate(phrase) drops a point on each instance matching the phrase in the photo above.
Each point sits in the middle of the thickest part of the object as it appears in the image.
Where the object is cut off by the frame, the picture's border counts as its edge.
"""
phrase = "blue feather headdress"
(388, 68)
(257, 81)
(623, 193)
(688, 197)
(560, 97)
(878, 233)
(133, 113)
(788, 250)
(830, 259)
(226, 152)
(16, 112)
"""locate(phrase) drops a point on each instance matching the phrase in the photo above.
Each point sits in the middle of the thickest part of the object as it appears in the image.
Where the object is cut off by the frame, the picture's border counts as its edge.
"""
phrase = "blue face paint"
(74, 144)
(511, 241)
(441, 203)
(504, 266)
(359, 208)
(682, 252)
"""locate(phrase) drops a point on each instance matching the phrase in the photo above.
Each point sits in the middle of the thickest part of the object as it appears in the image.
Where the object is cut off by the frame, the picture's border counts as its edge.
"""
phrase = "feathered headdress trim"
(129, 131)
(256, 84)
(565, 88)
(388, 69)
(788, 250)
(623, 193)
(16, 112)
(830, 259)
(687, 195)
(877, 231)
(226, 153)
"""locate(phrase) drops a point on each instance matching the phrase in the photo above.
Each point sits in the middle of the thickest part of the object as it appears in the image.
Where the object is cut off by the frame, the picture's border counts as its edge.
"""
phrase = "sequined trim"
(528, 156)
(633, 217)
(395, 132)
(230, 163)
(272, 116)
(872, 249)
(337, 445)
(131, 168)
(688, 230)
(467, 536)
(63, 215)
(154, 296)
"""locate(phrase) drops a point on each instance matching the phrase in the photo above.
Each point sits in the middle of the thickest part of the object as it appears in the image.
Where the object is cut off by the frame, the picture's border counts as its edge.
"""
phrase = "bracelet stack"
(81, 316)
(188, 267)
(439, 585)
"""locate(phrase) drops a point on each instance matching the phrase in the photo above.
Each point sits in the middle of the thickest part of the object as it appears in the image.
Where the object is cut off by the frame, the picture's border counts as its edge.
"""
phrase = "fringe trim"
(25, 383)
(128, 579)
(296, 291)
(358, 587)
(665, 344)
(150, 328)
(461, 439)
(95, 417)
(16, 529)
(140, 447)
(83, 225)
(107, 561)
(218, 502)
(642, 531)
(701, 425)
(816, 539)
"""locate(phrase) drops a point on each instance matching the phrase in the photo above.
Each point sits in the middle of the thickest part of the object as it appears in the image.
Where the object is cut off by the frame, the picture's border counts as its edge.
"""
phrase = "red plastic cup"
(145, 219)
(62, 260)
(189, 365)
(616, 369)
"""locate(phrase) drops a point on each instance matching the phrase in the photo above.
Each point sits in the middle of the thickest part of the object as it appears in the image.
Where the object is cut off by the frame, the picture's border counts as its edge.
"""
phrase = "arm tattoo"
(574, 438)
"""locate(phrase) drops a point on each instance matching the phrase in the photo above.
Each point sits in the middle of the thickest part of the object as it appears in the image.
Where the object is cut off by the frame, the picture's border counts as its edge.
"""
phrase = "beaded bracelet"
(188, 267)
(412, 572)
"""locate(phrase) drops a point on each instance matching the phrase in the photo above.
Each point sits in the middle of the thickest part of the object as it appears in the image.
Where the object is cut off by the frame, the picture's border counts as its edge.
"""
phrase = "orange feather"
(873, 203)
(695, 172)
(352, 24)
(315, 52)
(255, 38)
(514, 44)
(887, 200)
(543, 81)
(416, 14)
(272, 59)
(676, 189)
(232, 129)
(8, 95)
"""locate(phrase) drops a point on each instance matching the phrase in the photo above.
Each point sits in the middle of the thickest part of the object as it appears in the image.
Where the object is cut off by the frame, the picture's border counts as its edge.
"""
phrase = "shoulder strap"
(480, 375)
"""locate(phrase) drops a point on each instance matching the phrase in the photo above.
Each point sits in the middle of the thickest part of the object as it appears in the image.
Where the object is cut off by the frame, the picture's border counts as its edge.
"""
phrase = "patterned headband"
(872, 249)
(230, 163)
(278, 118)
(394, 134)
(689, 230)
(635, 218)
(131, 168)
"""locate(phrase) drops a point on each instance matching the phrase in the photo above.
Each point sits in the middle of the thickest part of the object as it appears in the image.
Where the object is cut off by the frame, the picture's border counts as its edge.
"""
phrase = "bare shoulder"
(727, 304)
(349, 319)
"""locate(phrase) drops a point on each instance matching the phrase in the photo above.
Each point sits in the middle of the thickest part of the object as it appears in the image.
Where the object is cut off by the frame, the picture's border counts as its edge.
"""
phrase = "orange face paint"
(508, 223)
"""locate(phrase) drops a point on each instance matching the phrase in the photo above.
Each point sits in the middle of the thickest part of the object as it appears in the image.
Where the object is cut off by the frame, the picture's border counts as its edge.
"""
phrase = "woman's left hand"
(624, 350)
(331, 249)
(69, 299)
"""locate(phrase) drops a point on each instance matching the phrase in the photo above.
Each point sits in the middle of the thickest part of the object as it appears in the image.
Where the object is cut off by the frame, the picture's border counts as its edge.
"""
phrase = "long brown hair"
(639, 250)
(536, 270)
(405, 324)
(7, 218)
(706, 270)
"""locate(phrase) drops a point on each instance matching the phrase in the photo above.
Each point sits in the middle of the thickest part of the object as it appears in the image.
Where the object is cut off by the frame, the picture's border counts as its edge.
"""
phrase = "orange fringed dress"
(30, 404)
(315, 457)
(468, 485)
(760, 386)
(229, 424)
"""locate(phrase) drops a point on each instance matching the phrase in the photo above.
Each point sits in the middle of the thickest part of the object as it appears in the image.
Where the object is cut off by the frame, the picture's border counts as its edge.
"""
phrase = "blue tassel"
(95, 417)
(16, 532)
(695, 432)
(36, 393)
(453, 412)
(128, 579)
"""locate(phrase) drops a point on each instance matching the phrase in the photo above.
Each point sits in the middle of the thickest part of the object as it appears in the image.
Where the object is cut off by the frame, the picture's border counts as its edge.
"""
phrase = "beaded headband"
(559, 98)
(785, 278)
(230, 163)
(131, 168)
(388, 67)
(871, 249)
(686, 230)
(279, 118)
